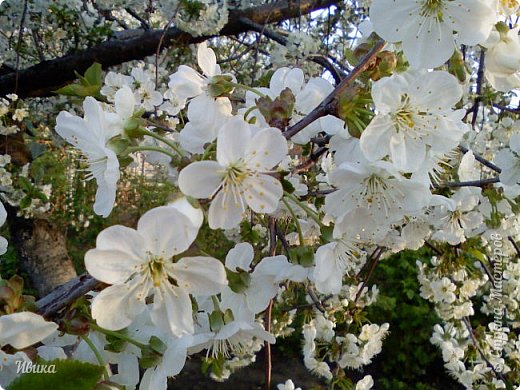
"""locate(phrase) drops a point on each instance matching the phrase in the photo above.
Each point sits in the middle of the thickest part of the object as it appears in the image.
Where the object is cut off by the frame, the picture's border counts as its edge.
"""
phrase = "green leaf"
(287, 186)
(68, 375)
(25, 202)
(93, 74)
(157, 344)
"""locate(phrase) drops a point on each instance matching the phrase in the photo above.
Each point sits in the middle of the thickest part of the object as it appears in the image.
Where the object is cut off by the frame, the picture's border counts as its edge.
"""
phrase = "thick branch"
(65, 294)
(47, 76)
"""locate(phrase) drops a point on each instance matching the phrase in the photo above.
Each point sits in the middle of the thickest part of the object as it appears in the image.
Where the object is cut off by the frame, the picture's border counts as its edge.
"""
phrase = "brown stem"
(267, 318)
(328, 106)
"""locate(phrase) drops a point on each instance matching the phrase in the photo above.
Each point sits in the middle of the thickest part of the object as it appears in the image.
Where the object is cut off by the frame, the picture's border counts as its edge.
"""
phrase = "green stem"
(166, 141)
(216, 305)
(313, 214)
(118, 335)
(133, 149)
(295, 218)
(208, 150)
(97, 354)
(254, 90)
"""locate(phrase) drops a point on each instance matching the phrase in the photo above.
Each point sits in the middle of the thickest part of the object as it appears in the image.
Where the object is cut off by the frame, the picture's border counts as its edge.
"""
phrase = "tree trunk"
(42, 251)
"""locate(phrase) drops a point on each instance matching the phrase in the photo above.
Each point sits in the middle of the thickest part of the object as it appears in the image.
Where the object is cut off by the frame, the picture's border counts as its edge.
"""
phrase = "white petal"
(266, 149)
(384, 14)
(375, 139)
(121, 238)
(111, 266)
(225, 212)
(232, 141)
(240, 256)
(115, 307)
(263, 193)
(186, 83)
(23, 329)
(195, 215)
(435, 91)
(166, 231)
(172, 311)
(200, 275)
(125, 102)
(430, 44)
(207, 60)
(328, 275)
(200, 179)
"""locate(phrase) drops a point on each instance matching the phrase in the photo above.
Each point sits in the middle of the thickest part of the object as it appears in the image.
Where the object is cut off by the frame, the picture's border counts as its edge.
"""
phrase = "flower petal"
(240, 256)
(200, 179)
(225, 212)
(115, 307)
(21, 330)
(207, 60)
(266, 149)
(199, 275)
(166, 231)
(232, 141)
(263, 193)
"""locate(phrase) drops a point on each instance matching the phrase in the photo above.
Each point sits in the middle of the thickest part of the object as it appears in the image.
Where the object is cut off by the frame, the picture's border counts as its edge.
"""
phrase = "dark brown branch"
(65, 294)
(47, 76)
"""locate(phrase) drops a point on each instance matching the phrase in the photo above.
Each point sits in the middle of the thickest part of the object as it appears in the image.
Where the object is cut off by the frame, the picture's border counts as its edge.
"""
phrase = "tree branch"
(328, 106)
(65, 294)
(47, 76)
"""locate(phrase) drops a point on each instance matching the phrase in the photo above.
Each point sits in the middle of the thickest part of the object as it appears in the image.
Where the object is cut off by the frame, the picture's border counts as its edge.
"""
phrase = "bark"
(40, 245)
(47, 76)
(42, 252)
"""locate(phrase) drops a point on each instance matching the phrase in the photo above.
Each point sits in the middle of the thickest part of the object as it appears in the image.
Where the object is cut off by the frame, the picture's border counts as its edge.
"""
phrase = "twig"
(515, 245)
(481, 160)
(267, 319)
(472, 183)
(475, 341)
(328, 105)
(135, 15)
(317, 58)
(375, 258)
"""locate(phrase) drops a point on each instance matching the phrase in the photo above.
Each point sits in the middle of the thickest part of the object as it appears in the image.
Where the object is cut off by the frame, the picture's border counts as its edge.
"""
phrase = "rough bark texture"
(47, 76)
(42, 250)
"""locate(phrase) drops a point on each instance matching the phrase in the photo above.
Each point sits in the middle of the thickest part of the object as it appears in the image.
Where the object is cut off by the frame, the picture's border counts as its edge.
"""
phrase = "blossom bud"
(220, 86)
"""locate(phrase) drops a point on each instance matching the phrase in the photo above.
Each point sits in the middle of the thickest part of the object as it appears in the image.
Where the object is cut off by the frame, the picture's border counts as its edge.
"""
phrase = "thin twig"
(472, 183)
(267, 318)
(475, 341)
(328, 106)
(515, 245)
(481, 160)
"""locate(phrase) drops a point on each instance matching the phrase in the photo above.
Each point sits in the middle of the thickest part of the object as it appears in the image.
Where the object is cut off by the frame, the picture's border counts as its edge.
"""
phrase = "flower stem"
(248, 88)
(119, 336)
(166, 141)
(97, 354)
(133, 149)
(313, 214)
(295, 218)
